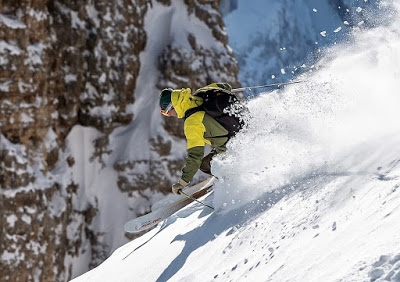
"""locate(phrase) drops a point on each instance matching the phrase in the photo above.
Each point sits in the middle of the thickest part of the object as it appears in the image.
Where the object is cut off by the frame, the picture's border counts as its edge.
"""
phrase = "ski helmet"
(165, 98)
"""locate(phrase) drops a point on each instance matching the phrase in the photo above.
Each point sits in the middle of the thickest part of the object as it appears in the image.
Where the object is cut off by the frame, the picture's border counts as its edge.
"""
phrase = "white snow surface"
(310, 191)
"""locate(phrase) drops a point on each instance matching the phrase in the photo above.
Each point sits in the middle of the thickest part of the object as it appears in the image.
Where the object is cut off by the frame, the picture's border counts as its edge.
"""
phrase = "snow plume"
(334, 123)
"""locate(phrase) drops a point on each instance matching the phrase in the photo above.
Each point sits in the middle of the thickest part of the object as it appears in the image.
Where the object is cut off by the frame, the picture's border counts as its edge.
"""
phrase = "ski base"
(167, 207)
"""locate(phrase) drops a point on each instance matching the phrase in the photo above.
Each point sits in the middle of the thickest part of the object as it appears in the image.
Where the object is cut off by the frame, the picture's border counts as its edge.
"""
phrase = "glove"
(178, 186)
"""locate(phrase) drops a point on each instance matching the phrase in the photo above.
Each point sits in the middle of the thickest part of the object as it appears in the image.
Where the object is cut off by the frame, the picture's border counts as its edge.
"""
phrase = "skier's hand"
(178, 186)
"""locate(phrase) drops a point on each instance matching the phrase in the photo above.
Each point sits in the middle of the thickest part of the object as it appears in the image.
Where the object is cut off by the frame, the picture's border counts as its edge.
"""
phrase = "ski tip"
(135, 226)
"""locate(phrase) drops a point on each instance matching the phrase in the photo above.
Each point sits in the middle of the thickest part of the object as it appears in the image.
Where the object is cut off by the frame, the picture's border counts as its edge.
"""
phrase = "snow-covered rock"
(81, 138)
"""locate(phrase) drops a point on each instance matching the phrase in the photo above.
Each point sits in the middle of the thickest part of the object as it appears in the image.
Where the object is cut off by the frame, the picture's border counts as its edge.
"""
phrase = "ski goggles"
(167, 111)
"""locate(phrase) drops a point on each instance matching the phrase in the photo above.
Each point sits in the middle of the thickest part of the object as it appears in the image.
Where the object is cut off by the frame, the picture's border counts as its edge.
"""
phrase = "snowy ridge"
(271, 40)
(310, 191)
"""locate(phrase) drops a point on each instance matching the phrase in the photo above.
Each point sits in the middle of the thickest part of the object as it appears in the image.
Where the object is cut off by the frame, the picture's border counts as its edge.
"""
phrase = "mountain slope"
(335, 227)
(273, 38)
(308, 192)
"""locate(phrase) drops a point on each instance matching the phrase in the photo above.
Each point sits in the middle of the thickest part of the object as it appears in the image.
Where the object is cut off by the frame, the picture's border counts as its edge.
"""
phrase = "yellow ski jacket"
(199, 128)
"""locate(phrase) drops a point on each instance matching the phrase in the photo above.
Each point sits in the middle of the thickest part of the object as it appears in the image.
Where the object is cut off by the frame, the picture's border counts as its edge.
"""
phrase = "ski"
(171, 198)
(167, 207)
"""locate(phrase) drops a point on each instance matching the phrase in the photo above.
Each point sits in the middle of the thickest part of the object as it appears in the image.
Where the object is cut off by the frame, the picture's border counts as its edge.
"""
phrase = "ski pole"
(264, 86)
(194, 199)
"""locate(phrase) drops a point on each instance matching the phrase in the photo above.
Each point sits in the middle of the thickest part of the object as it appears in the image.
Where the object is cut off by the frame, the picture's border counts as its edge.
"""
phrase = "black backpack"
(223, 106)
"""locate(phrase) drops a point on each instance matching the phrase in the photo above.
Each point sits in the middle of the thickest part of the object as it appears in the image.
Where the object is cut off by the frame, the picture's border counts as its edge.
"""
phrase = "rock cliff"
(69, 65)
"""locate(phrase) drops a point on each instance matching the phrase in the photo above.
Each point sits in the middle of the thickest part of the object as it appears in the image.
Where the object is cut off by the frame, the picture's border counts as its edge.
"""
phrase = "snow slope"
(310, 191)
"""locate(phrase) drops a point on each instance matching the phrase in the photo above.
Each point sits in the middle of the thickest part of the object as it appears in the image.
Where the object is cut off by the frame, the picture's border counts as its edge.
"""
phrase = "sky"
(309, 191)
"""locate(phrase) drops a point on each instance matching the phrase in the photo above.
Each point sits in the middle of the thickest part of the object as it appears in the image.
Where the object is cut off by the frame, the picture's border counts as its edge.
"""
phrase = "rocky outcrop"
(69, 63)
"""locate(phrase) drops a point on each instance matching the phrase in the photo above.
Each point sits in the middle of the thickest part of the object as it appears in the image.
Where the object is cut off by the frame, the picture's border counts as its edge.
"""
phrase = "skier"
(199, 129)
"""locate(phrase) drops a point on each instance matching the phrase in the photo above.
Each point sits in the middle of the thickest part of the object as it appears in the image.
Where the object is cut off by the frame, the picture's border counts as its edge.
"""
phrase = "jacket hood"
(182, 100)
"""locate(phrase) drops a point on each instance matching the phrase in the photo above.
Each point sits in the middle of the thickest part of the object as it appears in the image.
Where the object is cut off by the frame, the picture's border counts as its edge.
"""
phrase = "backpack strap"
(191, 111)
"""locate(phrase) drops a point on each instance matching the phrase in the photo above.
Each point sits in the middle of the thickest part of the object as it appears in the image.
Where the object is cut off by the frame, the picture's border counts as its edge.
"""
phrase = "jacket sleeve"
(194, 131)
(193, 161)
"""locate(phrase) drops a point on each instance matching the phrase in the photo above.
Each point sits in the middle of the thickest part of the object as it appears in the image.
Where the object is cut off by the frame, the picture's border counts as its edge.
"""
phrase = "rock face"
(76, 63)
